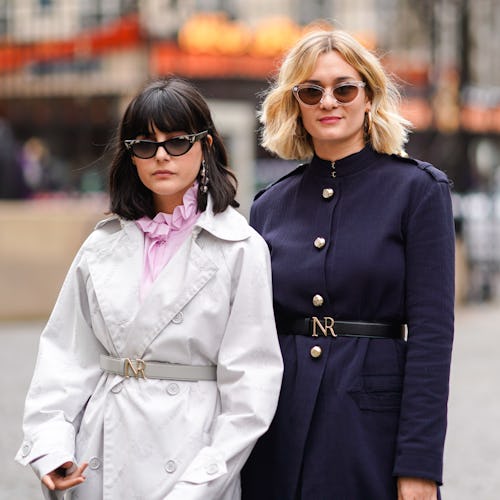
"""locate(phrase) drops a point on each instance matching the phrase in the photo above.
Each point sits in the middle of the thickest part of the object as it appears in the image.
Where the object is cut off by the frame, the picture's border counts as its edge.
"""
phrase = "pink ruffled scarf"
(163, 236)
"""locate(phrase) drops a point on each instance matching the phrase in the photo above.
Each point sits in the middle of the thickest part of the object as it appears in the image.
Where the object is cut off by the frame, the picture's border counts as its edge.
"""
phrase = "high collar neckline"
(348, 165)
(183, 216)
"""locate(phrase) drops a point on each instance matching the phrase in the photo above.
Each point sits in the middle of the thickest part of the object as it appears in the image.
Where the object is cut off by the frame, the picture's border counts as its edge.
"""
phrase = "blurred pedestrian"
(159, 367)
(362, 244)
(43, 172)
(12, 183)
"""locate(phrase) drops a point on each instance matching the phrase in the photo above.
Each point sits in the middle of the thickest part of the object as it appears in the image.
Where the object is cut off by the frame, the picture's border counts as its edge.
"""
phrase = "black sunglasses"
(311, 94)
(176, 146)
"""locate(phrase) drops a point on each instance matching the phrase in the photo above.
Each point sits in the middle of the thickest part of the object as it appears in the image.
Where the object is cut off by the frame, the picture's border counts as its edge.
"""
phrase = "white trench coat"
(149, 439)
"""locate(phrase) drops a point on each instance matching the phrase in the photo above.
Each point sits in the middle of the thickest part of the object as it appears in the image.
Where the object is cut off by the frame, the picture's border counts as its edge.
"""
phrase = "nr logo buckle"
(134, 367)
(325, 326)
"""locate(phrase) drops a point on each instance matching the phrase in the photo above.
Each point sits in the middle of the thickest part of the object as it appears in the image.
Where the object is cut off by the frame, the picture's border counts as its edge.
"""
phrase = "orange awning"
(122, 33)
(167, 58)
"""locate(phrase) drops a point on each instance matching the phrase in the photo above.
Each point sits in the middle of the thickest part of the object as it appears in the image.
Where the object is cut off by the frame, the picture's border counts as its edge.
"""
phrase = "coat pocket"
(380, 384)
(380, 393)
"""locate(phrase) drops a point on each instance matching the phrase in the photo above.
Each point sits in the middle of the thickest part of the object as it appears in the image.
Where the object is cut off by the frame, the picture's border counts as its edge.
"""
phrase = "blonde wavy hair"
(283, 132)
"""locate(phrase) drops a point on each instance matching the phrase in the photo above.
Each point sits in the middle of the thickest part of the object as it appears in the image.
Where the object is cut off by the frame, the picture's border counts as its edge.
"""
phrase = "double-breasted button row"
(210, 469)
(172, 389)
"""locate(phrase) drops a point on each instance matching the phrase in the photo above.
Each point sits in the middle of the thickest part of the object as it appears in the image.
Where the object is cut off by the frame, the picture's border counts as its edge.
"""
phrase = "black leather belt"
(327, 326)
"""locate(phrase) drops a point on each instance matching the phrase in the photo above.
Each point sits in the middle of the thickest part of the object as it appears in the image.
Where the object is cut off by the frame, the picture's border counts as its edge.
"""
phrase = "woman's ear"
(210, 140)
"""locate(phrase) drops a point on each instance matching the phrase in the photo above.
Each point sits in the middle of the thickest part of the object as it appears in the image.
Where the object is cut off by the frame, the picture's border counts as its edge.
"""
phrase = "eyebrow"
(152, 135)
(339, 79)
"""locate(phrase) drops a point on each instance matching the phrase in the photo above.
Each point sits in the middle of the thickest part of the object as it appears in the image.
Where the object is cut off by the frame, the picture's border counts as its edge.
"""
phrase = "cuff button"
(26, 449)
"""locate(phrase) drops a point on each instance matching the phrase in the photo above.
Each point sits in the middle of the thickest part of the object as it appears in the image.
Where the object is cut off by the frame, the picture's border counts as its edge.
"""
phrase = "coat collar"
(346, 166)
(229, 225)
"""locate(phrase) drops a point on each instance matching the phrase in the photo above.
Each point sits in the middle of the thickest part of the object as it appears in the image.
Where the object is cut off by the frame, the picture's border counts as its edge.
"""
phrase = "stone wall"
(38, 240)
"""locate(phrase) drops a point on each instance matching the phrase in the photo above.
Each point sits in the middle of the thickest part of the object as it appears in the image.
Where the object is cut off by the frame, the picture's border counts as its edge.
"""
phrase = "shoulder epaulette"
(405, 158)
(434, 172)
(111, 224)
(295, 171)
(437, 174)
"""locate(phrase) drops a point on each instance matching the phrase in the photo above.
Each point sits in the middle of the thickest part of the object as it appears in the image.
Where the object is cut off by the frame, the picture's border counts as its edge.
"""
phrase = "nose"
(162, 153)
(330, 101)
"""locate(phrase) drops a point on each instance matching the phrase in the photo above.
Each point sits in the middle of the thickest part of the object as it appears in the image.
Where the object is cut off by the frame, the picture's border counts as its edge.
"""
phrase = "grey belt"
(139, 368)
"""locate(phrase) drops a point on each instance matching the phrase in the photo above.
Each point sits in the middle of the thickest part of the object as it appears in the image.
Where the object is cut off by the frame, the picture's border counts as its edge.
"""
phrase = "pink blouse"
(164, 235)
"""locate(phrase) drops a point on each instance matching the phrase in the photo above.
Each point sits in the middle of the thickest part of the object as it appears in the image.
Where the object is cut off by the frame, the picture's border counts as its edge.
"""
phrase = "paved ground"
(472, 456)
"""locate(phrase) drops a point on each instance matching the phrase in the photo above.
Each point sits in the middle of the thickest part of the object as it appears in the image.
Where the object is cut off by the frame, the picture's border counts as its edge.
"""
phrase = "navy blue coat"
(367, 410)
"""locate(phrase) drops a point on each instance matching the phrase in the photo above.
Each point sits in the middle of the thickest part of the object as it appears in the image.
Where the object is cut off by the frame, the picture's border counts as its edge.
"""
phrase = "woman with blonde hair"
(362, 252)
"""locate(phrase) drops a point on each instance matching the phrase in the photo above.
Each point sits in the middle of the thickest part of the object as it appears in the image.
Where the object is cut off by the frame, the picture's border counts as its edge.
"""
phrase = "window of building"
(98, 12)
(3, 17)
(312, 10)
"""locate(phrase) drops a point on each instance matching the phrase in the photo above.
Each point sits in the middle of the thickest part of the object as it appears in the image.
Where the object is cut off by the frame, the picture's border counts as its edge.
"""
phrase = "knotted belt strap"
(327, 326)
(138, 368)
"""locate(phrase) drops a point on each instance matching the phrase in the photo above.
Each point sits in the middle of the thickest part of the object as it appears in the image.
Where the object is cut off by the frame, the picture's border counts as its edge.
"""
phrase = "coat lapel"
(115, 265)
(182, 278)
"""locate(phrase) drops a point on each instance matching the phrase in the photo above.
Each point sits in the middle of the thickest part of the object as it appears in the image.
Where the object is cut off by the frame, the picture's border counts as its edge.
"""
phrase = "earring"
(368, 125)
(203, 177)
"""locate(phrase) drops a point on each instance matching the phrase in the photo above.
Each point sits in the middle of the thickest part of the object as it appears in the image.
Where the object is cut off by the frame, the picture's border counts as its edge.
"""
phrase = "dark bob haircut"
(170, 104)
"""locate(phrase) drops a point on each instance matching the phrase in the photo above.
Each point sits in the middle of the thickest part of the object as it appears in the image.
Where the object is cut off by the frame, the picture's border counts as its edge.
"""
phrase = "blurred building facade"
(68, 67)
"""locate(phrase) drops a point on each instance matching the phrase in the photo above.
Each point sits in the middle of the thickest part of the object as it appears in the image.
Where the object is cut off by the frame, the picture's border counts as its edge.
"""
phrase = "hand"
(58, 480)
(414, 488)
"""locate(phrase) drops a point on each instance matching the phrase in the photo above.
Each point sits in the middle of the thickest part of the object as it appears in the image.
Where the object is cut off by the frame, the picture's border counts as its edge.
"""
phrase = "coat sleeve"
(64, 377)
(430, 316)
(249, 376)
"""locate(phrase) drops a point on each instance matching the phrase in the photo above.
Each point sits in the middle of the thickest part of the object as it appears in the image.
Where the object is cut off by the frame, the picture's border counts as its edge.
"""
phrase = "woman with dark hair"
(159, 367)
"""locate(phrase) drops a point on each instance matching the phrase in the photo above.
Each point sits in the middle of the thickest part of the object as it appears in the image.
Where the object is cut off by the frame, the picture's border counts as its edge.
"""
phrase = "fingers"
(47, 481)
(81, 468)
(410, 488)
(63, 483)
(55, 481)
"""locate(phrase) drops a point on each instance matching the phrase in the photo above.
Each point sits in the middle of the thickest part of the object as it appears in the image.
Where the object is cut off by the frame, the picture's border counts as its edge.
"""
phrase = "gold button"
(327, 193)
(316, 351)
(318, 300)
(319, 242)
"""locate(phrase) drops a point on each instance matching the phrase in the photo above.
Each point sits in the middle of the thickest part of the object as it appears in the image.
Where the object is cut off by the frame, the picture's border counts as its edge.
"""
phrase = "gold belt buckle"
(325, 325)
(136, 366)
